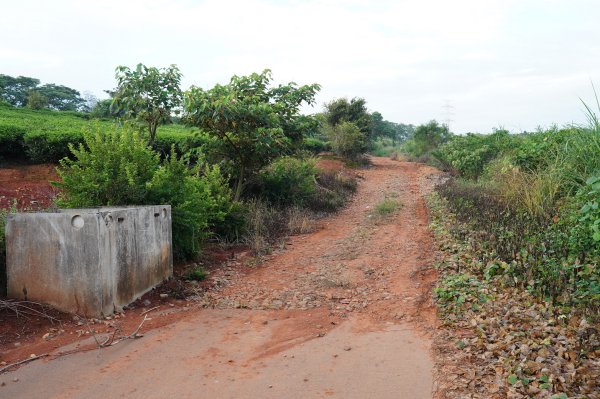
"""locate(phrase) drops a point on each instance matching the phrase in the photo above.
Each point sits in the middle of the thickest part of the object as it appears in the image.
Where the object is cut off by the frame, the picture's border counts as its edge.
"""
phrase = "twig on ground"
(29, 359)
(135, 333)
(149, 310)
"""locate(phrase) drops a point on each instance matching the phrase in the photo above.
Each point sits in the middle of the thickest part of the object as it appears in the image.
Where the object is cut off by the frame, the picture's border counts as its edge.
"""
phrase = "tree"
(89, 101)
(355, 111)
(61, 98)
(16, 90)
(147, 94)
(36, 100)
(428, 137)
(397, 132)
(253, 122)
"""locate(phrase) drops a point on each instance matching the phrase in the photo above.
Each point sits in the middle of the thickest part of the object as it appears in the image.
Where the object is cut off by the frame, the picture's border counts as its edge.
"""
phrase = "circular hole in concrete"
(164, 212)
(77, 222)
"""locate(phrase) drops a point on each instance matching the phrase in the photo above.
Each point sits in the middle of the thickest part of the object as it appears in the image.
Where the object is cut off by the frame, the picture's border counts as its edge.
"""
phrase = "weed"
(198, 273)
(387, 207)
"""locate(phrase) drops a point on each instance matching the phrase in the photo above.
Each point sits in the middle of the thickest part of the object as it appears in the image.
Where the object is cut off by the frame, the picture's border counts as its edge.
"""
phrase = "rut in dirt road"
(343, 312)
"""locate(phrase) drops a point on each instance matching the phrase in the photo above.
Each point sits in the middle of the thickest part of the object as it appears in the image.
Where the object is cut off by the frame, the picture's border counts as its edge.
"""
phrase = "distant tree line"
(23, 91)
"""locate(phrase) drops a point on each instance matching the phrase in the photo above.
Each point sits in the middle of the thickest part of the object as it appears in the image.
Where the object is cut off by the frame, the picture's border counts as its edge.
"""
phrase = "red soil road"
(344, 312)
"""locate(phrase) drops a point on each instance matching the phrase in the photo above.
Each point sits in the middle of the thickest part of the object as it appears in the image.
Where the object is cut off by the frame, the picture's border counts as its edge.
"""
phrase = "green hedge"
(44, 136)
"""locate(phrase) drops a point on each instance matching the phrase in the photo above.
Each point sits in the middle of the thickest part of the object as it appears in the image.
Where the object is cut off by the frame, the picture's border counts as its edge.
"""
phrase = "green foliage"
(315, 146)
(60, 98)
(590, 211)
(112, 168)
(384, 147)
(198, 273)
(36, 100)
(427, 138)
(387, 207)
(382, 129)
(289, 181)
(16, 90)
(468, 155)
(102, 110)
(199, 199)
(455, 291)
(119, 168)
(347, 140)
(148, 94)
(254, 123)
(45, 135)
(354, 111)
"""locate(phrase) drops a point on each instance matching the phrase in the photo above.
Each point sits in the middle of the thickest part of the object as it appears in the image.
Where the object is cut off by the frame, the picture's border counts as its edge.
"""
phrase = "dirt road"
(344, 312)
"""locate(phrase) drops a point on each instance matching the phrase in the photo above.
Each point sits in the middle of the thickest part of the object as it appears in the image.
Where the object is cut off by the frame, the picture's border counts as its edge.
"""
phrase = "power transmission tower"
(448, 113)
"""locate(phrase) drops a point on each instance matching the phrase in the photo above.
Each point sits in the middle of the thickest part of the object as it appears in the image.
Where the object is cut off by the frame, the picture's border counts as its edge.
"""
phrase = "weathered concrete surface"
(88, 261)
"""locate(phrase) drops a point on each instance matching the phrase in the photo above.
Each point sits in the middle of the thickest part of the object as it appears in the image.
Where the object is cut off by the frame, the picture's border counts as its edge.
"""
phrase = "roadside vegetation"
(517, 221)
(238, 162)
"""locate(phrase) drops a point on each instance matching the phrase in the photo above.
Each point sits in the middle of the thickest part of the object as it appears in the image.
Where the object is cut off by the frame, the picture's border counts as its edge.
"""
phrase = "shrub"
(119, 168)
(112, 168)
(11, 140)
(288, 181)
(40, 146)
(334, 189)
(45, 135)
(264, 226)
(426, 138)
(198, 197)
(387, 207)
(468, 155)
(315, 146)
(347, 140)
(198, 273)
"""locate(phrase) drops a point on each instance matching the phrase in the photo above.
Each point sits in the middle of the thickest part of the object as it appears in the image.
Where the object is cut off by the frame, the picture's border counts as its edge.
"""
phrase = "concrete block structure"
(88, 261)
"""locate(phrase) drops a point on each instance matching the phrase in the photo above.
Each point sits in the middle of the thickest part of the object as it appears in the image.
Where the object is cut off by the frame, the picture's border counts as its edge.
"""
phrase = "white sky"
(514, 64)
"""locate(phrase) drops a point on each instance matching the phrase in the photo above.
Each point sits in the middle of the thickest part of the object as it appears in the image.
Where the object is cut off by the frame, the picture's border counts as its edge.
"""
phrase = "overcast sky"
(511, 64)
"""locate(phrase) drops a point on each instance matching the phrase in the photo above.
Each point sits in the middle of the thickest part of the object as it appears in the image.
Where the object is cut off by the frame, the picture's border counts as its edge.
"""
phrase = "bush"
(334, 189)
(347, 140)
(315, 146)
(387, 207)
(426, 138)
(11, 140)
(199, 199)
(45, 135)
(42, 147)
(112, 168)
(119, 168)
(264, 226)
(288, 181)
(468, 155)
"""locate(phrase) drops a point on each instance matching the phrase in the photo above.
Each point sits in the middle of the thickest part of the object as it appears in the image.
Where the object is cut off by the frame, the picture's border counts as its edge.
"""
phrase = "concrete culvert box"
(88, 261)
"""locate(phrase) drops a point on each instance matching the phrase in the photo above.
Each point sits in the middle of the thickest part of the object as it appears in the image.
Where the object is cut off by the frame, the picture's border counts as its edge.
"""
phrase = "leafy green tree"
(102, 110)
(430, 136)
(355, 111)
(253, 122)
(61, 98)
(148, 94)
(36, 100)
(16, 90)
